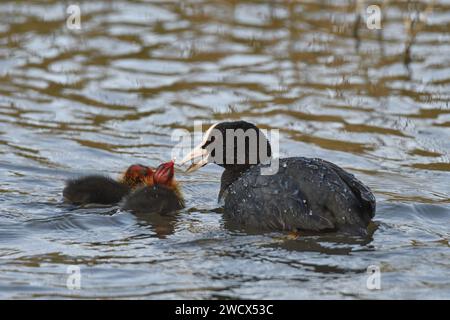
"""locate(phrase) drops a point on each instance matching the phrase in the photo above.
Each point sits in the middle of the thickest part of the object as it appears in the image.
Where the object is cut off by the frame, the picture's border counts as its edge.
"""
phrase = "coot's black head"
(233, 145)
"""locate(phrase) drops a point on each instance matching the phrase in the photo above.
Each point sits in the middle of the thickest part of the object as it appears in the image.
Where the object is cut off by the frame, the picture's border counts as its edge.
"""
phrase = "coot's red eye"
(209, 142)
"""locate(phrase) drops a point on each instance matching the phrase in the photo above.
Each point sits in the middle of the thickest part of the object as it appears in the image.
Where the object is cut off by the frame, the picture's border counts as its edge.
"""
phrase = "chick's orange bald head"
(137, 174)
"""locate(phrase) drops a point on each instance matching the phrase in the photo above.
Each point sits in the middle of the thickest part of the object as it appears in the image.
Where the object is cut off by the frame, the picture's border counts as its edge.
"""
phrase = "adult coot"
(304, 194)
(100, 189)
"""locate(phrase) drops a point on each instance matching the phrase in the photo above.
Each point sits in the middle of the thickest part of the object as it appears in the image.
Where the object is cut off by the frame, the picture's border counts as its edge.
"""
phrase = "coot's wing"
(362, 192)
(272, 202)
(308, 194)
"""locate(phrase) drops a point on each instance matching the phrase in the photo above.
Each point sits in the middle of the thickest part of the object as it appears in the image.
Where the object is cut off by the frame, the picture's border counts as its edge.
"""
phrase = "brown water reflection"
(100, 98)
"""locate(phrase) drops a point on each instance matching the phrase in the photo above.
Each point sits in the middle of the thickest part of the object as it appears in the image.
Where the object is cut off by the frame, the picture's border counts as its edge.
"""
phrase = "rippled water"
(95, 100)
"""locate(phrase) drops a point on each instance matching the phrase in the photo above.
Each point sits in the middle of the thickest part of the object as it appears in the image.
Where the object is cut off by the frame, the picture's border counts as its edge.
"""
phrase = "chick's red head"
(137, 174)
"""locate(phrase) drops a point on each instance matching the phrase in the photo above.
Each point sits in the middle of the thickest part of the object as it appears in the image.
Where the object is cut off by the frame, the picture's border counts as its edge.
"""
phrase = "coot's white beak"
(199, 156)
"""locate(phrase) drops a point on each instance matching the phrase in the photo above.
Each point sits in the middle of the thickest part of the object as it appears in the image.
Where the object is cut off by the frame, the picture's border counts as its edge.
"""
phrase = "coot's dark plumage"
(304, 194)
(162, 196)
(104, 190)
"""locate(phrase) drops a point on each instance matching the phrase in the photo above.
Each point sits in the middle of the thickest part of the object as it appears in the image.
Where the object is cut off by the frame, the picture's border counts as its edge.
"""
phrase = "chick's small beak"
(164, 173)
(199, 158)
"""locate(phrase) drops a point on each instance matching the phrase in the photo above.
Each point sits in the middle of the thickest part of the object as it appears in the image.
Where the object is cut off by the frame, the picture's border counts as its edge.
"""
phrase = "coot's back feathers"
(305, 194)
(363, 194)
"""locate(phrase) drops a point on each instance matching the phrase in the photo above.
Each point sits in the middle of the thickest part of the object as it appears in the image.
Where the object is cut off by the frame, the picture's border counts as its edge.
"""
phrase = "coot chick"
(100, 189)
(160, 195)
(304, 194)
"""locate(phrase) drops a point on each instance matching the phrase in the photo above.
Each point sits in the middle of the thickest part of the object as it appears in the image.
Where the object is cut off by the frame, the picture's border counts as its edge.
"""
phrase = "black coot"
(97, 189)
(304, 194)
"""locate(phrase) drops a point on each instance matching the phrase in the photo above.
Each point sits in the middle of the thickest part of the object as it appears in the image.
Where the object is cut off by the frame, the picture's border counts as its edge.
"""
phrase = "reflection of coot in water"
(162, 224)
(304, 194)
(104, 190)
(330, 243)
(160, 197)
